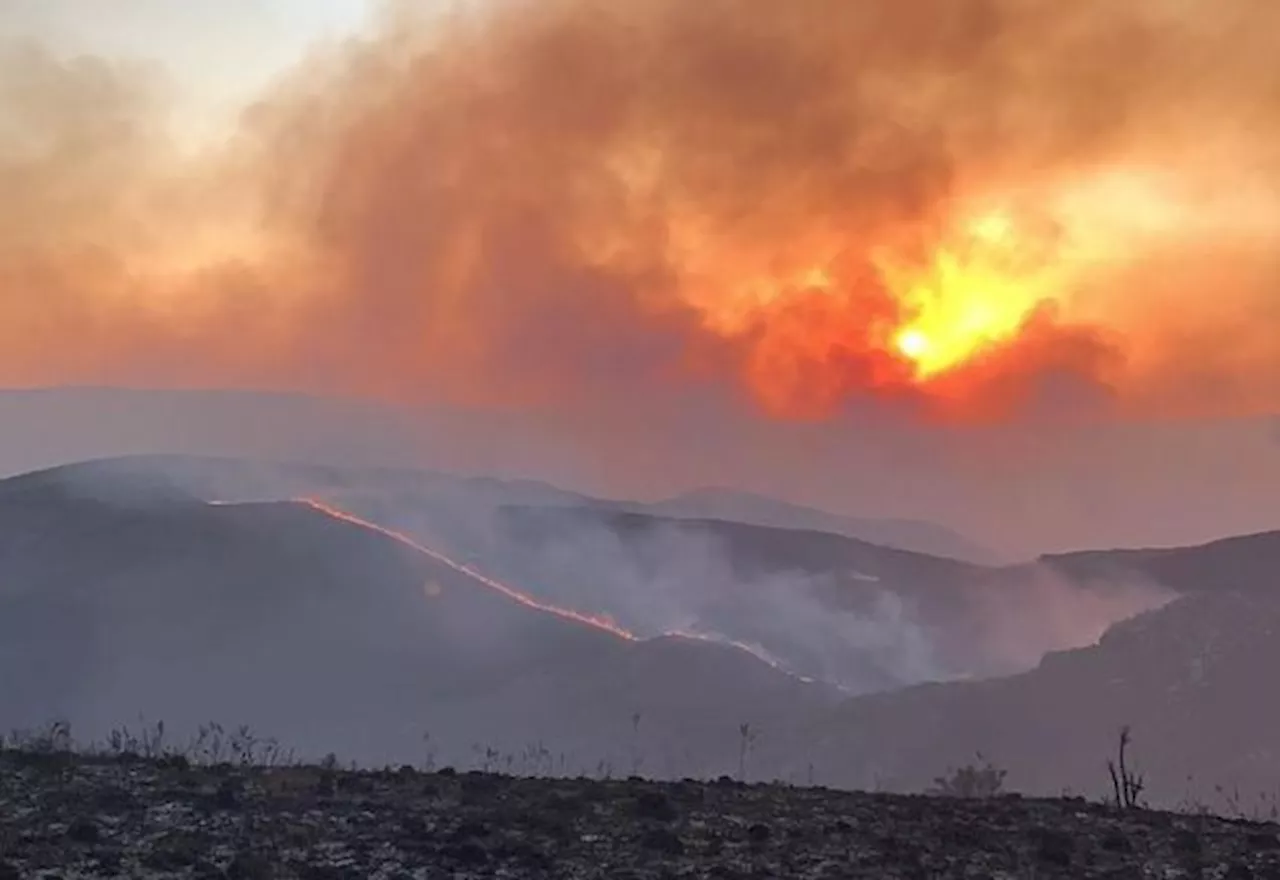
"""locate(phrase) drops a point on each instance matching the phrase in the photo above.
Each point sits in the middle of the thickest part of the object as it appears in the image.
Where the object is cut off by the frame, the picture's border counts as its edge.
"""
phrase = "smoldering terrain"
(391, 615)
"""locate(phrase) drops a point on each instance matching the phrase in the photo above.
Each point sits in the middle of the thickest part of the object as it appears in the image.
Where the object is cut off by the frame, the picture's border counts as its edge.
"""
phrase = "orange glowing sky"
(956, 207)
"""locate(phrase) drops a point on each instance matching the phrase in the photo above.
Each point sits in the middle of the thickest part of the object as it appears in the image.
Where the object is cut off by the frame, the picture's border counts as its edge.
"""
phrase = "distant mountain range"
(747, 507)
(50, 427)
(422, 603)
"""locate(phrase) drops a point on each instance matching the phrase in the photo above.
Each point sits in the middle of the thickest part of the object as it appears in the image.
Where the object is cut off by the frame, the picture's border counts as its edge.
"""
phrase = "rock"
(174, 852)
(466, 853)
(471, 830)
(656, 806)
(322, 872)
(663, 841)
(227, 794)
(1053, 847)
(108, 860)
(84, 830)
(327, 783)
(413, 826)
(113, 799)
(1187, 843)
(249, 866)
(1116, 842)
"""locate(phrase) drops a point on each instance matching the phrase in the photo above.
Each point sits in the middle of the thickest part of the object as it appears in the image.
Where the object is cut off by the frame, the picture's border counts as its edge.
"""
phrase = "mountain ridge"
(315, 628)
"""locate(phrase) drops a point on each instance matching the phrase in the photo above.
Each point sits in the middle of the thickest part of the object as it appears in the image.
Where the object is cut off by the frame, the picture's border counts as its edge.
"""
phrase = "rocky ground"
(73, 817)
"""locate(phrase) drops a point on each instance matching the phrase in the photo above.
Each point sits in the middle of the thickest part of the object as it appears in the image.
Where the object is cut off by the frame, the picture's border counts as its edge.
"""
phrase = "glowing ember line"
(597, 621)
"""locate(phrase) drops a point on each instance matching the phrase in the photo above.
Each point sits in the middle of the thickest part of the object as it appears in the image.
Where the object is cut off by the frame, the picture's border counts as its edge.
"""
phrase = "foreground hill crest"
(106, 817)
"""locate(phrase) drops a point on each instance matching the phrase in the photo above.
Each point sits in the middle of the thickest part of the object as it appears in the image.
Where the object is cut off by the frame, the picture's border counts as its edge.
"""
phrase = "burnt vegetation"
(228, 803)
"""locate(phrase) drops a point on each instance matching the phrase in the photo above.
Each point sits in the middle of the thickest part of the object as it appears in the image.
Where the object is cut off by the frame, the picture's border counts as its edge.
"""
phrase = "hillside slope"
(833, 607)
(824, 605)
(1243, 563)
(1191, 680)
(330, 634)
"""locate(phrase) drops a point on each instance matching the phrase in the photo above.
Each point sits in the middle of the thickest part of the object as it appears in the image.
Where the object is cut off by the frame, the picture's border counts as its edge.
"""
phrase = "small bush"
(981, 780)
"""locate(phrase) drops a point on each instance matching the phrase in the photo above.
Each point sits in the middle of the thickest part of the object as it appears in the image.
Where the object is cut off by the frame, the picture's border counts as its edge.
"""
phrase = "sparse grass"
(1263, 806)
(214, 745)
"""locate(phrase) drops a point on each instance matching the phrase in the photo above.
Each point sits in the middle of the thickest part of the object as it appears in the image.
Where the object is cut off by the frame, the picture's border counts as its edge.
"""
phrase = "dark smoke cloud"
(566, 204)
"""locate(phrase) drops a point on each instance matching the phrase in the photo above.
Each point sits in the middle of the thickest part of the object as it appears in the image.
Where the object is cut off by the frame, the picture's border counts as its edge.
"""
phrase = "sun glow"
(913, 344)
(977, 291)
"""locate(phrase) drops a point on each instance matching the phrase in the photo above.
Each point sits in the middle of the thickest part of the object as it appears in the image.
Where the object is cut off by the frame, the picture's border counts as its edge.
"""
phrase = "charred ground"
(63, 815)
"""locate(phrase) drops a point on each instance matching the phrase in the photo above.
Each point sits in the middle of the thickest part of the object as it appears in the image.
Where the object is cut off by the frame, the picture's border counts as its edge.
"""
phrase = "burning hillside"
(597, 621)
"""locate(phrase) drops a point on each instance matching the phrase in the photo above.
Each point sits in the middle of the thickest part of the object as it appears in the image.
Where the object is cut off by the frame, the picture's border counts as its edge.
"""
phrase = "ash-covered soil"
(72, 817)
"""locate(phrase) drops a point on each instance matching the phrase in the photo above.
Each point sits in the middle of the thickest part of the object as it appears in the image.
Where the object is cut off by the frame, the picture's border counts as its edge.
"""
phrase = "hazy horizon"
(992, 274)
(1099, 488)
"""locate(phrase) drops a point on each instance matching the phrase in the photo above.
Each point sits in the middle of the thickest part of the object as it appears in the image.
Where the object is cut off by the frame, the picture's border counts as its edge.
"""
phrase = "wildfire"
(597, 621)
(977, 292)
(825, 312)
(565, 206)
(943, 308)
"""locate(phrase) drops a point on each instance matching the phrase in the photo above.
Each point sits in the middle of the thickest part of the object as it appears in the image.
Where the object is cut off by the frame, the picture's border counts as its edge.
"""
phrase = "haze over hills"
(865, 616)
(56, 426)
(1188, 678)
(748, 507)
(334, 636)
(1075, 487)
(1245, 563)
(124, 592)
(825, 606)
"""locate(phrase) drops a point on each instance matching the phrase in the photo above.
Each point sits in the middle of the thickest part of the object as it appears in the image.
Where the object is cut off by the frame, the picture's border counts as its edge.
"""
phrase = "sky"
(955, 240)
(218, 56)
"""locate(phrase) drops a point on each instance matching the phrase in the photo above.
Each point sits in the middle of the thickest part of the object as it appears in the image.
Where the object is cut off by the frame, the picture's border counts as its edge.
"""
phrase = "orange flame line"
(598, 621)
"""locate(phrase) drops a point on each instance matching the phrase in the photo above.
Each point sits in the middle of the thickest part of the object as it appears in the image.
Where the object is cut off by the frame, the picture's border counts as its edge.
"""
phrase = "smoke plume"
(970, 210)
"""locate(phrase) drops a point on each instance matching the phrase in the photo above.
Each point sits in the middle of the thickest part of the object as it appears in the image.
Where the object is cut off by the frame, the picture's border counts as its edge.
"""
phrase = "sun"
(974, 293)
(912, 343)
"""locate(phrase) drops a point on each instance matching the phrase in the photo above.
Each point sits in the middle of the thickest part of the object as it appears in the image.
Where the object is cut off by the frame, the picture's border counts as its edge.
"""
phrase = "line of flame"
(598, 621)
